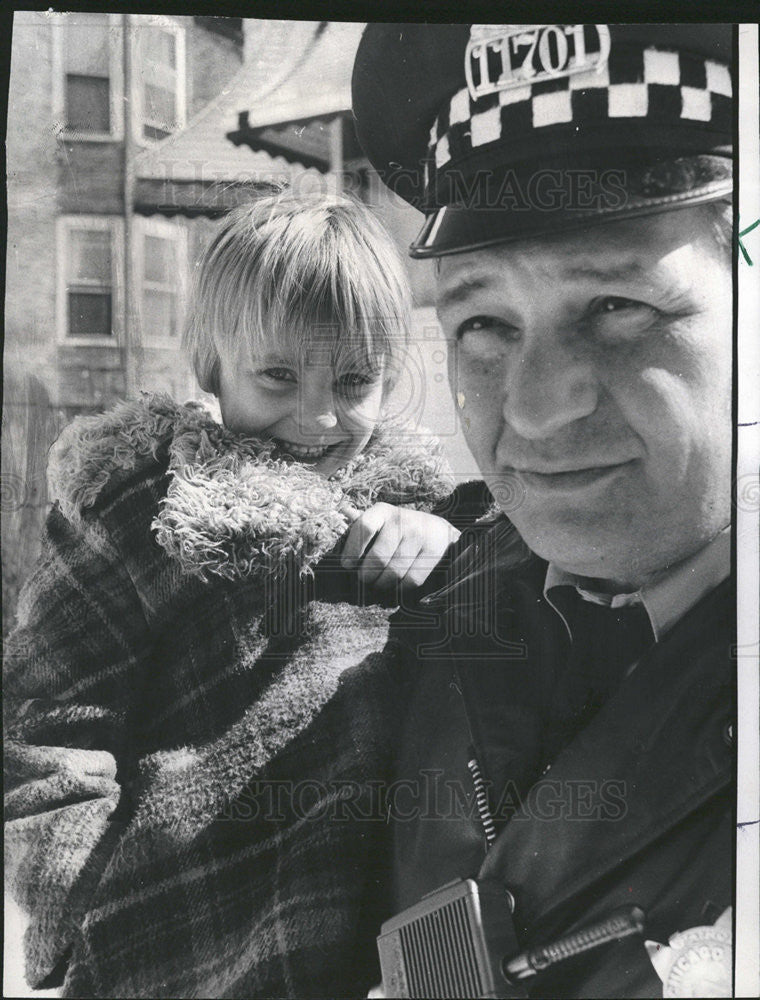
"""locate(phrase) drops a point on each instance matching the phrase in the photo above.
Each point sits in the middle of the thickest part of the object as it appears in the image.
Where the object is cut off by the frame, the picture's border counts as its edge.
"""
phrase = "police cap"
(498, 132)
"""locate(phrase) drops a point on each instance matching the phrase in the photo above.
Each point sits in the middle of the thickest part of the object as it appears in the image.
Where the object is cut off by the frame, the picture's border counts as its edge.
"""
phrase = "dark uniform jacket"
(636, 809)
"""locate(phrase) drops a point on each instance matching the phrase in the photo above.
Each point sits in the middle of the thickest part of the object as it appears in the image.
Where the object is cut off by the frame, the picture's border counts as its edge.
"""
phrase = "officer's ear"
(720, 219)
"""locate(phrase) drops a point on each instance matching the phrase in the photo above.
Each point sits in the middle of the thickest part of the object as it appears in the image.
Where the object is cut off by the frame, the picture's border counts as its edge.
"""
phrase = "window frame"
(113, 224)
(138, 112)
(115, 22)
(167, 229)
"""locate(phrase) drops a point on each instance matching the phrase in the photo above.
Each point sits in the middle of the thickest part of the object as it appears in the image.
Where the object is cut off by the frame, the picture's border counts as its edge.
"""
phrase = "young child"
(194, 627)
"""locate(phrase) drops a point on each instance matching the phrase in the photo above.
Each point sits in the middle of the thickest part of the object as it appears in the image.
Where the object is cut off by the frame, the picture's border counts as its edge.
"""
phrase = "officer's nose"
(551, 384)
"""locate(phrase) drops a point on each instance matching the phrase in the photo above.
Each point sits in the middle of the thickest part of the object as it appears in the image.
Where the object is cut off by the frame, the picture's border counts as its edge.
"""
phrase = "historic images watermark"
(429, 797)
(582, 189)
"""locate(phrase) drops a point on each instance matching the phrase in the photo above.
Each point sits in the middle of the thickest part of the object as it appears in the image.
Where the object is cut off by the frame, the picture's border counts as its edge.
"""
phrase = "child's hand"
(392, 546)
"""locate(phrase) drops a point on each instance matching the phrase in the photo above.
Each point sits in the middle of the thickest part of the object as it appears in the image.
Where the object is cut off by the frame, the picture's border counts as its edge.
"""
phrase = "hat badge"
(504, 56)
(695, 962)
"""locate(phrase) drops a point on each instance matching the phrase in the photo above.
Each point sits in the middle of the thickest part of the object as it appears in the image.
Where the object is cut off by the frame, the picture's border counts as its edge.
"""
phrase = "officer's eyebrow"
(608, 274)
(629, 270)
(462, 290)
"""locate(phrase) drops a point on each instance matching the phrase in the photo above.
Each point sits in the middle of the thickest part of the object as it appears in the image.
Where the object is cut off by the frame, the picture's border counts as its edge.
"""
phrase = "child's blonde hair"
(294, 271)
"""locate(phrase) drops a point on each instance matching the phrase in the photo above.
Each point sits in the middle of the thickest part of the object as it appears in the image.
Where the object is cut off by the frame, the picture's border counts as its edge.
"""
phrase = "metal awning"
(307, 119)
(324, 142)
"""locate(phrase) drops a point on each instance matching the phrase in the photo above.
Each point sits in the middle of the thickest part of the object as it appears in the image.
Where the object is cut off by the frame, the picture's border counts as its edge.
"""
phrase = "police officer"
(572, 680)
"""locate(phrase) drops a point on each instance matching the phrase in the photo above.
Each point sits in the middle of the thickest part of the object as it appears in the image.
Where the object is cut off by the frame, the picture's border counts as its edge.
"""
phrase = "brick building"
(97, 264)
(94, 291)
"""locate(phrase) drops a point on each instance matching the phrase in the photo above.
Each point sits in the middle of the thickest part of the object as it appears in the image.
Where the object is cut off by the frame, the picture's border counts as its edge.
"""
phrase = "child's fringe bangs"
(322, 317)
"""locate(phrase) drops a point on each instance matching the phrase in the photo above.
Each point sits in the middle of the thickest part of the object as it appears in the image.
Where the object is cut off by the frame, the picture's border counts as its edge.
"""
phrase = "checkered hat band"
(657, 85)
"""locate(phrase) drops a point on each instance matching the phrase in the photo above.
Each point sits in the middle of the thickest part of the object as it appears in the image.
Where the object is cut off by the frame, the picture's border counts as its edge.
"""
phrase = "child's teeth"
(303, 451)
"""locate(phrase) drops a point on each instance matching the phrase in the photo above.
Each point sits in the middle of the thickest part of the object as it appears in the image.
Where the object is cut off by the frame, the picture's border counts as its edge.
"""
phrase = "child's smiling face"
(316, 411)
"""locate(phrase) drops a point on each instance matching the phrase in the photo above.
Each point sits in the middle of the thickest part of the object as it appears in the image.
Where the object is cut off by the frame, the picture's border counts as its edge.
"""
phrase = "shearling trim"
(231, 509)
(236, 517)
(92, 449)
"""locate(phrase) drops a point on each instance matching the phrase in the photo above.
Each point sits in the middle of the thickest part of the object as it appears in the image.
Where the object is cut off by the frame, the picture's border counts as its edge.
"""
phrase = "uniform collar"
(669, 596)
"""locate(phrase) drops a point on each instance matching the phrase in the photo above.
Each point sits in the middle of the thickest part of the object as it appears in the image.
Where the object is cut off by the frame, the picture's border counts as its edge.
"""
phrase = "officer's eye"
(485, 328)
(278, 375)
(614, 303)
(614, 317)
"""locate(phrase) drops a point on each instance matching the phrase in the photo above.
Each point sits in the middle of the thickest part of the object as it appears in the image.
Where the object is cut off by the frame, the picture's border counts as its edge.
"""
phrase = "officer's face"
(593, 375)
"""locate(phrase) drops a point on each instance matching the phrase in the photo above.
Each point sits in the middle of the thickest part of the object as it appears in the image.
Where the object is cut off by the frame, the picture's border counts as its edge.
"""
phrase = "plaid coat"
(200, 713)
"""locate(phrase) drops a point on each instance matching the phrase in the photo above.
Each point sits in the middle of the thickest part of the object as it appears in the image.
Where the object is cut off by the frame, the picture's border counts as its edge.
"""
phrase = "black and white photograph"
(380, 502)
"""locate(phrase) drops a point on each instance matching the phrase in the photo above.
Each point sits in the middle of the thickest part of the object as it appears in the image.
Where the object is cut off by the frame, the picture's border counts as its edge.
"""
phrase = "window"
(161, 270)
(87, 77)
(89, 252)
(159, 55)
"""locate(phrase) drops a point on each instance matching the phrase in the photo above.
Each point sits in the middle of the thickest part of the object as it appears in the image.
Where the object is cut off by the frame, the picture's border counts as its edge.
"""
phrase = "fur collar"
(231, 509)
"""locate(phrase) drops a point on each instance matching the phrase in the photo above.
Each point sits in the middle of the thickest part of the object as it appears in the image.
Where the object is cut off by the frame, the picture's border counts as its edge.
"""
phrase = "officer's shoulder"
(491, 547)
(467, 504)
